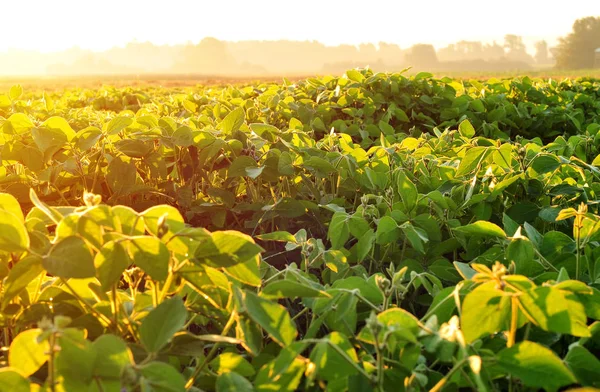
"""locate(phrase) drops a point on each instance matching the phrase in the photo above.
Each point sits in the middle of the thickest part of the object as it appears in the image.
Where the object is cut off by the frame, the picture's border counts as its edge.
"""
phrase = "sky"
(55, 25)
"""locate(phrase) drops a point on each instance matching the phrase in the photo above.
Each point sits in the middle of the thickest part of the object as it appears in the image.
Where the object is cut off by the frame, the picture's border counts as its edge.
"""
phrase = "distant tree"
(493, 51)
(421, 55)
(514, 43)
(516, 49)
(541, 52)
(576, 50)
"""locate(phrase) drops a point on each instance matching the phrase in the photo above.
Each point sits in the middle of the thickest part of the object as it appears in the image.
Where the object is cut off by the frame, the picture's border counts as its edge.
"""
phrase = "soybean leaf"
(535, 365)
(70, 258)
(473, 157)
(482, 228)
(14, 237)
(408, 191)
(226, 249)
(232, 362)
(110, 263)
(485, 311)
(584, 365)
(466, 129)
(161, 377)
(330, 364)
(151, 255)
(13, 381)
(233, 121)
(272, 317)
(159, 326)
(26, 353)
(22, 273)
(233, 382)
(291, 289)
(282, 236)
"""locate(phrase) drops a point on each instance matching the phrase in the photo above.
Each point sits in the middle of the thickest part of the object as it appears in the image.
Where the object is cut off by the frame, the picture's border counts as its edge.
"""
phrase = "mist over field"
(211, 56)
(265, 38)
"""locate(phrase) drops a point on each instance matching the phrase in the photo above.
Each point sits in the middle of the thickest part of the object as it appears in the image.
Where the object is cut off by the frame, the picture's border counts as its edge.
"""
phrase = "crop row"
(367, 232)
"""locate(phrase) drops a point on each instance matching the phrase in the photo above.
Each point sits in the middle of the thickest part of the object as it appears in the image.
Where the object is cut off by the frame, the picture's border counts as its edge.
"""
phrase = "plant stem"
(115, 306)
(167, 285)
(51, 342)
(513, 322)
(211, 353)
(380, 366)
(438, 387)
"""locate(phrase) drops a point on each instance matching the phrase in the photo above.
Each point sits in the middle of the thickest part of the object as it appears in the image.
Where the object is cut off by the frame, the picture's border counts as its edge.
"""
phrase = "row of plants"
(322, 235)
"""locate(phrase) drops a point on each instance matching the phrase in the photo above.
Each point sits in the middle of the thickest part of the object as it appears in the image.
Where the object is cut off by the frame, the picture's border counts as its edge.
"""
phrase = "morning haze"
(260, 38)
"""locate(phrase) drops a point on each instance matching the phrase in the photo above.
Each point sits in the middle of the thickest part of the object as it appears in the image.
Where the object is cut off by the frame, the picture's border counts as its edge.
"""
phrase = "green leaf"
(521, 252)
(535, 365)
(584, 365)
(322, 166)
(13, 381)
(545, 163)
(233, 121)
(261, 129)
(272, 317)
(159, 326)
(291, 289)
(50, 212)
(75, 360)
(407, 190)
(555, 310)
(355, 76)
(161, 377)
(117, 124)
(482, 228)
(121, 175)
(400, 323)
(339, 231)
(466, 129)
(485, 311)
(240, 166)
(10, 204)
(233, 382)
(364, 245)
(112, 357)
(17, 124)
(20, 275)
(281, 236)
(471, 160)
(14, 237)
(87, 138)
(285, 372)
(232, 362)
(464, 270)
(330, 364)
(26, 353)
(110, 263)
(48, 141)
(15, 92)
(61, 125)
(247, 272)
(151, 255)
(134, 148)
(226, 249)
(70, 258)
(387, 231)
(173, 220)
(416, 236)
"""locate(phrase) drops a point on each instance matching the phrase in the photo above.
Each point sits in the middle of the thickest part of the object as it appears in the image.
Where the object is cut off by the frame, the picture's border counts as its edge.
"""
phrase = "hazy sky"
(50, 25)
